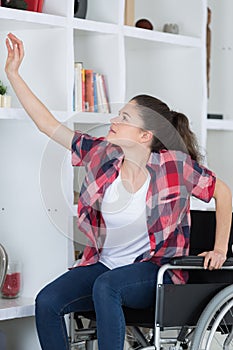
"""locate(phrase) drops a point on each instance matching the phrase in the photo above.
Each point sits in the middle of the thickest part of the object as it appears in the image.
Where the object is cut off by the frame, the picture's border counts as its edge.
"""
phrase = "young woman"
(134, 207)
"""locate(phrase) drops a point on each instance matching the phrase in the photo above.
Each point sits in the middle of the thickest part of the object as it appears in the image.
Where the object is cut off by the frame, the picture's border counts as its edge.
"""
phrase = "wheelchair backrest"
(202, 238)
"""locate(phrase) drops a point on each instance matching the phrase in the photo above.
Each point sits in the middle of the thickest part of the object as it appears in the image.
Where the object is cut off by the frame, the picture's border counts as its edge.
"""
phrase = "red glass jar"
(12, 285)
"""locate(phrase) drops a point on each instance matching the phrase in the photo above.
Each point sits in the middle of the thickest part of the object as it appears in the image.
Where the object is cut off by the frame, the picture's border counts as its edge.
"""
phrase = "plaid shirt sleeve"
(201, 180)
(83, 148)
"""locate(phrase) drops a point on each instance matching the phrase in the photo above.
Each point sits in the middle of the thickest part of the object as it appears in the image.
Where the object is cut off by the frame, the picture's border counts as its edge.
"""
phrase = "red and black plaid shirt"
(174, 178)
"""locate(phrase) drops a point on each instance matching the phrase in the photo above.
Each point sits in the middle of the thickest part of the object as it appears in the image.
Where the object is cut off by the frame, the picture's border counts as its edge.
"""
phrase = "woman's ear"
(147, 135)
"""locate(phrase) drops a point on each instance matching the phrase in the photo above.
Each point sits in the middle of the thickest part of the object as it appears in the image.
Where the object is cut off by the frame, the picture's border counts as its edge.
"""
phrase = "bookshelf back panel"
(187, 14)
(219, 152)
(221, 70)
(55, 7)
(104, 10)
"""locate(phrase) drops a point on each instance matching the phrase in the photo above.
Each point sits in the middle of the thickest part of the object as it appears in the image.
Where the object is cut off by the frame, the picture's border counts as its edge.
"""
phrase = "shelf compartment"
(103, 53)
(188, 15)
(44, 70)
(104, 10)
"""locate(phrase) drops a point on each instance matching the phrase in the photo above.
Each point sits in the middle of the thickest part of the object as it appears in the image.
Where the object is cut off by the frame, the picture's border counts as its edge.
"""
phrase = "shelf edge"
(220, 125)
(16, 308)
(161, 37)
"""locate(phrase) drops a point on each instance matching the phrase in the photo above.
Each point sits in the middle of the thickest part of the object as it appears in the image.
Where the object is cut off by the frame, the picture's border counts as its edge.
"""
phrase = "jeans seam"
(136, 283)
(74, 300)
(64, 334)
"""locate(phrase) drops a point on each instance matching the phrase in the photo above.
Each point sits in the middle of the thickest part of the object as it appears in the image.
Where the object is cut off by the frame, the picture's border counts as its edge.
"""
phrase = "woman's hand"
(213, 259)
(15, 55)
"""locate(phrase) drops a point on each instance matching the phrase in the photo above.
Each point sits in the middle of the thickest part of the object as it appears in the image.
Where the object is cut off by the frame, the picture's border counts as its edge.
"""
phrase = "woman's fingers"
(213, 259)
(15, 53)
(16, 44)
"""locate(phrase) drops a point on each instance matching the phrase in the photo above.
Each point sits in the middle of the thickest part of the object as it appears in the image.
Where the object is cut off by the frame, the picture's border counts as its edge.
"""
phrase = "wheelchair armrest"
(193, 260)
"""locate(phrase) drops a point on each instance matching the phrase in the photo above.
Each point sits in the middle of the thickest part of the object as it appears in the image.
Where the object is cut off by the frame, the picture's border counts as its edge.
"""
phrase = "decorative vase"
(171, 28)
(80, 8)
(5, 101)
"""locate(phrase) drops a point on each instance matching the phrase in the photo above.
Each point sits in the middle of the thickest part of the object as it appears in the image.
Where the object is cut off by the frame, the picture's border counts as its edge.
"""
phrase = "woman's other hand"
(15, 55)
(214, 259)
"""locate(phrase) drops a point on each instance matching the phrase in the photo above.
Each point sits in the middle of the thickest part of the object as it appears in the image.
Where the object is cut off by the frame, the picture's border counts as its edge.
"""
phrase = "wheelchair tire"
(214, 328)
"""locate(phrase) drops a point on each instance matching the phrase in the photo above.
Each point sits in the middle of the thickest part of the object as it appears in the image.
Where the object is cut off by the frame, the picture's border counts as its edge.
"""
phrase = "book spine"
(40, 5)
(95, 93)
(83, 90)
(106, 98)
(89, 90)
(98, 92)
(75, 89)
(129, 12)
(104, 101)
(78, 86)
(32, 5)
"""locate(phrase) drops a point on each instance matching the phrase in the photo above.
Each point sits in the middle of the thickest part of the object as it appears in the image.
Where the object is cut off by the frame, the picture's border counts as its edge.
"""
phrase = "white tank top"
(124, 214)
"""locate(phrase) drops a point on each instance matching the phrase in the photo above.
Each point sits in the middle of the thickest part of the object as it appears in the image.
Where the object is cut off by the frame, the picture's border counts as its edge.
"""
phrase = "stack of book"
(90, 90)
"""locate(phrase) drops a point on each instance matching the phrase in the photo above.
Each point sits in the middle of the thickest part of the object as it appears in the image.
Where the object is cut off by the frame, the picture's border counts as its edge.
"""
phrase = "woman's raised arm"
(38, 112)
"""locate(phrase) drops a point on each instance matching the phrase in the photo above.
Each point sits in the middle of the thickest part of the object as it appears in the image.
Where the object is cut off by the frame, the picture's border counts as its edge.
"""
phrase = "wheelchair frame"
(160, 323)
(198, 265)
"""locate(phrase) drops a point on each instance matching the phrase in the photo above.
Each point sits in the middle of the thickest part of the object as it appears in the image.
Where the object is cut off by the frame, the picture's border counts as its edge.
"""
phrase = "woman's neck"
(134, 172)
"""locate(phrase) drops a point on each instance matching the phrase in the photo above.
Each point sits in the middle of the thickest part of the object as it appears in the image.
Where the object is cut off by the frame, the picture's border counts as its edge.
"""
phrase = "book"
(89, 90)
(103, 102)
(99, 94)
(78, 86)
(106, 98)
(95, 92)
(32, 5)
(83, 89)
(129, 12)
(40, 5)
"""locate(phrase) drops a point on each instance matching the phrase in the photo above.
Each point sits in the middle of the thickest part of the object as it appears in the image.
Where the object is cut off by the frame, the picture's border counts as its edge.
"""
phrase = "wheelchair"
(195, 316)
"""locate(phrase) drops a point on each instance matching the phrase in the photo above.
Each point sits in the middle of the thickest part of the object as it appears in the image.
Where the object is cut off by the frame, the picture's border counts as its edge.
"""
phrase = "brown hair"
(171, 129)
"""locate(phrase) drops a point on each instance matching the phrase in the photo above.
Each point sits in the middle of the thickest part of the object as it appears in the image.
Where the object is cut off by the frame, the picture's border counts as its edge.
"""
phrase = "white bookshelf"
(169, 66)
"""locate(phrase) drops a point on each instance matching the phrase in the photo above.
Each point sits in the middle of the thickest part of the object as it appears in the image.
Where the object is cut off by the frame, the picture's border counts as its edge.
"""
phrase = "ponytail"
(181, 123)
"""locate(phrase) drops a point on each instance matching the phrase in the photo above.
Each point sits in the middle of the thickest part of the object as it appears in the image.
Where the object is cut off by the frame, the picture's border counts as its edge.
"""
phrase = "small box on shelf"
(214, 116)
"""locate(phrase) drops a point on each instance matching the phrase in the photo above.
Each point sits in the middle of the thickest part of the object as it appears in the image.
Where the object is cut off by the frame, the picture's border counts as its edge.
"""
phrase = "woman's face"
(127, 128)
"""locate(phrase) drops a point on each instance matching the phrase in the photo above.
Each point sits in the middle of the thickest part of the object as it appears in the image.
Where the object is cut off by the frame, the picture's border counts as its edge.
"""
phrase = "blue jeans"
(95, 287)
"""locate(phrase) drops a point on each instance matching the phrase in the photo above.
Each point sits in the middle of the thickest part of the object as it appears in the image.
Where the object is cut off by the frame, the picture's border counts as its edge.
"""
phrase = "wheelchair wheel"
(215, 326)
